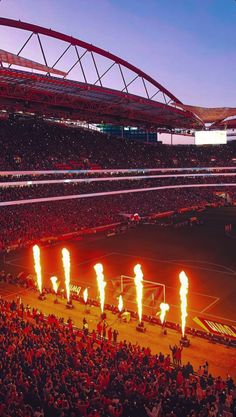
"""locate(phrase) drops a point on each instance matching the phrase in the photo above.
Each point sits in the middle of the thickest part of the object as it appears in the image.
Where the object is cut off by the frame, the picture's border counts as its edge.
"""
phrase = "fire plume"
(183, 298)
(37, 267)
(139, 289)
(85, 295)
(164, 308)
(101, 284)
(120, 303)
(55, 284)
(66, 266)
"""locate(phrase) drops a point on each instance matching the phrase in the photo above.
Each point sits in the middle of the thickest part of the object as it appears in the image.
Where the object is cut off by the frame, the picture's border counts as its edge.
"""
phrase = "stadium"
(117, 250)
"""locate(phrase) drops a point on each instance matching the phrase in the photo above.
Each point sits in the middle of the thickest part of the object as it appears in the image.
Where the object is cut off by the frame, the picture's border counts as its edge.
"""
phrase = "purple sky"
(186, 45)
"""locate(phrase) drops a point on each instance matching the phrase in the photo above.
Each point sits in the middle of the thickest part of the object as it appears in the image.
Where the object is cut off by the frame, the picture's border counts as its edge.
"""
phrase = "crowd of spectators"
(74, 188)
(51, 369)
(35, 144)
(26, 223)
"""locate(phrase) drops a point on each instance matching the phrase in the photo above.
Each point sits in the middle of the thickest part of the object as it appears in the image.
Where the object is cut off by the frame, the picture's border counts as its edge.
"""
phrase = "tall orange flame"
(55, 284)
(120, 303)
(85, 294)
(101, 284)
(139, 289)
(37, 267)
(183, 298)
(164, 308)
(66, 266)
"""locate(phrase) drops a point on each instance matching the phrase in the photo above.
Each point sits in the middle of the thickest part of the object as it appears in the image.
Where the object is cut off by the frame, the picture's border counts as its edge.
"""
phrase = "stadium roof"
(79, 101)
(14, 59)
(94, 102)
(130, 97)
(210, 115)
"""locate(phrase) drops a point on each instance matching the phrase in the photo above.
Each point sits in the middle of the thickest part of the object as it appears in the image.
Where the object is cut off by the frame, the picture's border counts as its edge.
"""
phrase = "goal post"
(154, 293)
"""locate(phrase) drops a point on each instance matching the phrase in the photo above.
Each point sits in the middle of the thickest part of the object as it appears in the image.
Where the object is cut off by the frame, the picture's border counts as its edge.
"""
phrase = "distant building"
(131, 133)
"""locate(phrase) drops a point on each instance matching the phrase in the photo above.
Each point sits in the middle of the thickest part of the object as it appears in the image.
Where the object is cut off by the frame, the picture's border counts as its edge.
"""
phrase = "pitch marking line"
(197, 293)
(173, 261)
(25, 267)
(213, 316)
(190, 261)
(220, 318)
(12, 294)
(210, 305)
(215, 299)
(155, 260)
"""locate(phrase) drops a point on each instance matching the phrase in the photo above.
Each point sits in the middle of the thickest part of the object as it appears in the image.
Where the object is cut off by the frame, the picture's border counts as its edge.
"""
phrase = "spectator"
(54, 370)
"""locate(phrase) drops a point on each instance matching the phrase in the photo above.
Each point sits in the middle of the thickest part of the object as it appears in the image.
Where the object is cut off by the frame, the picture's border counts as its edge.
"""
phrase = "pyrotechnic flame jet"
(37, 267)
(85, 295)
(101, 284)
(120, 303)
(55, 284)
(139, 289)
(164, 308)
(66, 266)
(183, 299)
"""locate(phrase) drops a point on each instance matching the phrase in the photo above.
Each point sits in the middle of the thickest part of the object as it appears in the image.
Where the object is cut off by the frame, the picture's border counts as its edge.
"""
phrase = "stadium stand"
(22, 224)
(33, 144)
(51, 369)
(51, 190)
(36, 144)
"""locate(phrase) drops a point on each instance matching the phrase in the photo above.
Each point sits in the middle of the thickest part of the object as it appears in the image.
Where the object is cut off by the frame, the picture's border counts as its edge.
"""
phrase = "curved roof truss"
(132, 98)
(72, 42)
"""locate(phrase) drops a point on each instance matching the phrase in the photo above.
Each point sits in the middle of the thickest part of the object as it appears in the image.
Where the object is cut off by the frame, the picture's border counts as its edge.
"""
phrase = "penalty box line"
(205, 309)
(176, 262)
(217, 299)
(167, 286)
(25, 267)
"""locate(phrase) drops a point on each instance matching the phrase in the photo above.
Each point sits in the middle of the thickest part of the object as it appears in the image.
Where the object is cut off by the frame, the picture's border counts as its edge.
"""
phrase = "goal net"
(153, 293)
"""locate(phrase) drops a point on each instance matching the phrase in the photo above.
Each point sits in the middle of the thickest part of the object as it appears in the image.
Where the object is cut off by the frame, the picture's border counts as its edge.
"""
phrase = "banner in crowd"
(216, 328)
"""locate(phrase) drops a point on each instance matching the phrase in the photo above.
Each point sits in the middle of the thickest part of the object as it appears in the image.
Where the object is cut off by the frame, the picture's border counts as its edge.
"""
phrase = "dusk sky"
(189, 46)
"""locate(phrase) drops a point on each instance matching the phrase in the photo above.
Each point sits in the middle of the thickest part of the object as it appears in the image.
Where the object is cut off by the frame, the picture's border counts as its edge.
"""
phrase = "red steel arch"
(64, 97)
(91, 48)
